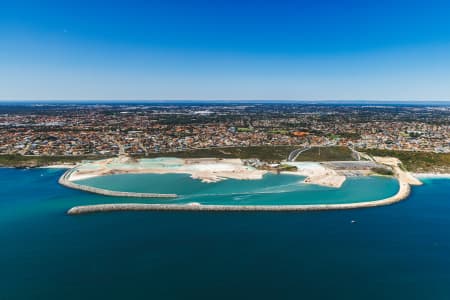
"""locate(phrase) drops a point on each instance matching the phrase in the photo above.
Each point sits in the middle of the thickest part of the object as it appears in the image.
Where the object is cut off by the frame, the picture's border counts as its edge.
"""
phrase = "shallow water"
(271, 190)
(392, 252)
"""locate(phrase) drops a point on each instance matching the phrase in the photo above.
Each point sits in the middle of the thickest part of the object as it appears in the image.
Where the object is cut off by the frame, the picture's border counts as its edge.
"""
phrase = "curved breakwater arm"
(64, 180)
(404, 179)
(403, 192)
(77, 210)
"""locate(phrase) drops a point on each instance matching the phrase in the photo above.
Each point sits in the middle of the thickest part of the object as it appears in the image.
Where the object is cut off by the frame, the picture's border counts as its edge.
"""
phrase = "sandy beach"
(402, 176)
(62, 166)
(431, 175)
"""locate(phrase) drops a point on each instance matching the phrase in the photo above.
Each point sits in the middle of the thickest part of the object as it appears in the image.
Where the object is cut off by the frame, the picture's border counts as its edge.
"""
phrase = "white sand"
(403, 193)
(62, 166)
(405, 180)
(207, 170)
(214, 170)
(402, 175)
(431, 175)
(318, 174)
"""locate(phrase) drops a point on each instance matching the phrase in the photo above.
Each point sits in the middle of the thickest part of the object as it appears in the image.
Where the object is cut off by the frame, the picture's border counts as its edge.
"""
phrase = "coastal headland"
(206, 170)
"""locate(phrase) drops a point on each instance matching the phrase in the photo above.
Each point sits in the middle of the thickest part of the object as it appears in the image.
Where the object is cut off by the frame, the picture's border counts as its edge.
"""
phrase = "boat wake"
(287, 188)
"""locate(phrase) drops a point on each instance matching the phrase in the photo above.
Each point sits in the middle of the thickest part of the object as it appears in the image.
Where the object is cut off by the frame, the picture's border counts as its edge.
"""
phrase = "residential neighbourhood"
(72, 130)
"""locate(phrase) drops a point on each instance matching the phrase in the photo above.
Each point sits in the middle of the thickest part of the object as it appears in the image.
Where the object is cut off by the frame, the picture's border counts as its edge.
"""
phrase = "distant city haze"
(228, 50)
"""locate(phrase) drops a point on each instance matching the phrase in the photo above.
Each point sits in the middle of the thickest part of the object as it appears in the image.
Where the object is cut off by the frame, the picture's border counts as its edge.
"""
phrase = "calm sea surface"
(271, 190)
(394, 252)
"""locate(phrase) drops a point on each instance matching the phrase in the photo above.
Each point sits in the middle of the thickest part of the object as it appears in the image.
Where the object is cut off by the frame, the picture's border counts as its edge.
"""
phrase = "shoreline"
(431, 175)
(57, 167)
(208, 170)
(405, 180)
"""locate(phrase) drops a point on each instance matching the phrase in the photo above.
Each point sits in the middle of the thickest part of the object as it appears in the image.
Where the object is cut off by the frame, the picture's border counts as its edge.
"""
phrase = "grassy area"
(279, 131)
(16, 160)
(335, 153)
(244, 129)
(417, 161)
(382, 171)
(265, 153)
(412, 161)
(289, 168)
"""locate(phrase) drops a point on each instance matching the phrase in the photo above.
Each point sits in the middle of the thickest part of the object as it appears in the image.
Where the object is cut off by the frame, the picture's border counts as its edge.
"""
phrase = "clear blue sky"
(180, 49)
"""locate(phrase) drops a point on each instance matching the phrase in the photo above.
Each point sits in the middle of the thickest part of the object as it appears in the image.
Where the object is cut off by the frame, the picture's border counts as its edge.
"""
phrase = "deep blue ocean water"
(394, 252)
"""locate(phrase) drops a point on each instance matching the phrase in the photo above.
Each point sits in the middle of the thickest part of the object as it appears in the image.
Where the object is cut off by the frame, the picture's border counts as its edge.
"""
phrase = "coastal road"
(355, 153)
(294, 154)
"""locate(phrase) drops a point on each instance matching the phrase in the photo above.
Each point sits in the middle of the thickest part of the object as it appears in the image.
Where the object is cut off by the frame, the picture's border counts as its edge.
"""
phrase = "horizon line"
(224, 100)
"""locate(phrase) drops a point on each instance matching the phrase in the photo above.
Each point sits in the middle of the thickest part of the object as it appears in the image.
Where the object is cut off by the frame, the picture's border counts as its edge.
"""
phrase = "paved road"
(294, 154)
(355, 153)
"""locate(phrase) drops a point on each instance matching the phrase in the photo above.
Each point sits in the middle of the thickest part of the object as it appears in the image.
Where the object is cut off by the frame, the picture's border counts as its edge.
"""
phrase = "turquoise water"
(271, 190)
(144, 163)
(393, 252)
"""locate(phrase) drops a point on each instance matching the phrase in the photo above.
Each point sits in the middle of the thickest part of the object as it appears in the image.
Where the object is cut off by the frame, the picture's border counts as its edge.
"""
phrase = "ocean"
(272, 189)
(393, 252)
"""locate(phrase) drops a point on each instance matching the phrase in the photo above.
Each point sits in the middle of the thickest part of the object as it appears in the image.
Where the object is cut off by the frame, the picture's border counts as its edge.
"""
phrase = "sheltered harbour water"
(64, 180)
(186, 201)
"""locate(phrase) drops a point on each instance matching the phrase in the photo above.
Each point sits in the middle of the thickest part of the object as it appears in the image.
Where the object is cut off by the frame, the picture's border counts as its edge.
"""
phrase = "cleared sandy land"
(206, 170)
(211, 170)
(317, 174)
(403, 192)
